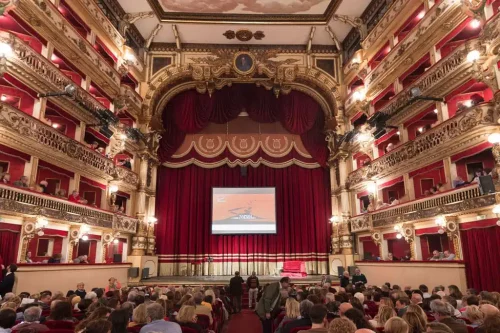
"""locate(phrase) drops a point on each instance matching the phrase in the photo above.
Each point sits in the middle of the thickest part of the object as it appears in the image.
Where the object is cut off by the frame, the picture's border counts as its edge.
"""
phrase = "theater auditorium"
(252, 166)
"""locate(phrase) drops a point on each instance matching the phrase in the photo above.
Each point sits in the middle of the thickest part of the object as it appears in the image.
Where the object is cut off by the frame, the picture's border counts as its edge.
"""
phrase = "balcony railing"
(20, 201)
(54, 27)
(450, 202)
(42, 137)
(412, 47)
(133, 100)
(425, 148)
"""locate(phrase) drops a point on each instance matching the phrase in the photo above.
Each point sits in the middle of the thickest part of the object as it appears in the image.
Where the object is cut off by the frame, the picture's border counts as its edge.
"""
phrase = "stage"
(221, 280)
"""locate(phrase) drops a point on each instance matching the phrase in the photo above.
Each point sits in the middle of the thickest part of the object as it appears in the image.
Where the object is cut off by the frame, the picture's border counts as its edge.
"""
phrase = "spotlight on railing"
(69, 90)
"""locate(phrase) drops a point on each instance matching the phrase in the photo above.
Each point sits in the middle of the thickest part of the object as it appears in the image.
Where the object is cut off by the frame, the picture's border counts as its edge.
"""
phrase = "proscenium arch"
(173, 80)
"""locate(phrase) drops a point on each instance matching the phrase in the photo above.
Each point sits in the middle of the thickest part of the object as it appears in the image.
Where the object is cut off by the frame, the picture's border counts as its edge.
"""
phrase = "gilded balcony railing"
(54, 27)
(21, 201)
(458, 130)
(450, 202)
(132, 99)
(43, 136)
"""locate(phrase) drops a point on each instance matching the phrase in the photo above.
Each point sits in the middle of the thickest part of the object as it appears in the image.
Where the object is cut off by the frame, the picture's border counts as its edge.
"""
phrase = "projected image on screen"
(249, 210)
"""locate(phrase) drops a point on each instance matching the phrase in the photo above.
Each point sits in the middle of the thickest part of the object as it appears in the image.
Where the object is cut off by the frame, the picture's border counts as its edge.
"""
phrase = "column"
(417, 248)
(140, 240)
(443, 113)
(80, 132)
(74, 183)
(39, 108)
(344, 196)
(450, 171)
(27, 234)
(409, 187)
(403, 134)
(99, 252)
(33, 169)
(64, 250)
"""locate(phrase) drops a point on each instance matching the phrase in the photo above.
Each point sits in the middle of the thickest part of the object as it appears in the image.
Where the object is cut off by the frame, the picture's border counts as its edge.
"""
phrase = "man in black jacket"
(236, 291)
(253, 289)
(7, 284)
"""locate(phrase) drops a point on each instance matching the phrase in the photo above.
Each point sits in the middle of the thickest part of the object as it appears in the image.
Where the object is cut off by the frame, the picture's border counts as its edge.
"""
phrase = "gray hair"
(155, 311)
(132, 295)
(305, 307)
(198, 298)
(32, 314)
(91, 295)
(442, 308)
(8, 296)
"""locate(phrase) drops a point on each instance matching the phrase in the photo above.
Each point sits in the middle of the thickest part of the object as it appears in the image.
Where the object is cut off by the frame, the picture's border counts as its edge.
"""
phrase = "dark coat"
(235, 286)
(7, 284)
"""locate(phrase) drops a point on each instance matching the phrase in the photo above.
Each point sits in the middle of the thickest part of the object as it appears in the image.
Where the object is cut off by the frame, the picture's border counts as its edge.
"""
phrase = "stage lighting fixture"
(415, 92)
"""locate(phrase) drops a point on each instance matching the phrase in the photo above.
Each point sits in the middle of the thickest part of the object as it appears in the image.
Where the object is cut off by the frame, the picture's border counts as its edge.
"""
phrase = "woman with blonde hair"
(419, 311)
(396, 325)
(183, 300)
(341, 325)
(474, 315)
(139, 316)
(415, 323)
(384, 314)
(292, 311)
(187, 318)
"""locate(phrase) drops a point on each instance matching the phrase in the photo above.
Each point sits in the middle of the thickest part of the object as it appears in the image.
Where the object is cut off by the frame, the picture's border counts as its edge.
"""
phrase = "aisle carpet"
(244, 322)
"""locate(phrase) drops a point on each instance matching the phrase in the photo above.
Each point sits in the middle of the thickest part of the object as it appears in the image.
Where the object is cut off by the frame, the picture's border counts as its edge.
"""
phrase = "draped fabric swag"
(190, 112)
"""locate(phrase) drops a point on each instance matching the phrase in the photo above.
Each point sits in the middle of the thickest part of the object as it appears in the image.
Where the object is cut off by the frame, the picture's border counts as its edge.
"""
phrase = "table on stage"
(34, 278)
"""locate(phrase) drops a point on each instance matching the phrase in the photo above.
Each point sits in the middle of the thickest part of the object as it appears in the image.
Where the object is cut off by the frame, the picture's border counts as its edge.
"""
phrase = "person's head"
(62, 310)
(489, 310)
(384, 314)
(491, 324)
(343, 308)
(396, 325)
(471, 291)
(32, 314)
(471, 300)
(360, 297)
(285, 282)
(453, 290)
(237, 273)
(415, 322)
(358, 318)
(416, 298)
(473, 313)
(7, 318)
(357, 271)
(198, 298)
(292, 308)
(6, 176)
(92, 296)
(318, 314)
(24, 179)
(154, 312)
(45, 298)
(112, 281)
(187, 314)
(119, 320)
(345, 274)
(341, 325)
(139, 315)
(402, 303)
(441, 309)
(98, 326)
(305, 307)
(184, 299)
(386, 301)
(12, 268)
(253, 273)
(436, 326)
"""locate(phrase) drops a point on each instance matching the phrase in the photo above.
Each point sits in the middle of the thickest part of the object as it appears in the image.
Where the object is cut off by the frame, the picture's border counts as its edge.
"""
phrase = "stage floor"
(224, 280)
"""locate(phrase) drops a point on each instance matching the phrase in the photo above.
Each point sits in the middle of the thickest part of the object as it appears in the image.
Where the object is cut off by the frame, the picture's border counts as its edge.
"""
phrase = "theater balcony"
(54, 27)
(467, 129)
(31, 136)
(455, 201)
(17, 201)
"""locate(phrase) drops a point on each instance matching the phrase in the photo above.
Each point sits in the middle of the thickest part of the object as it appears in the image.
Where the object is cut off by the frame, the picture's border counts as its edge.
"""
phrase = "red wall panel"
(15, 166)
(437, 175)
(44, 173)
(398, 247)
(33, 247)
(485, 157)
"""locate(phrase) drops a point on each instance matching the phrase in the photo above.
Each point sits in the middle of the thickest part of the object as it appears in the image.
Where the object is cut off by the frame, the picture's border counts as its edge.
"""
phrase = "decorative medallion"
(243, 63)
(244, 35)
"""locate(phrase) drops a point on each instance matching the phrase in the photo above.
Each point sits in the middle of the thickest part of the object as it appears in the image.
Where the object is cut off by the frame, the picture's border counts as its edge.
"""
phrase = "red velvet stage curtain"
(183, 209)
(8, 246)
(481, 253)
(190, 112)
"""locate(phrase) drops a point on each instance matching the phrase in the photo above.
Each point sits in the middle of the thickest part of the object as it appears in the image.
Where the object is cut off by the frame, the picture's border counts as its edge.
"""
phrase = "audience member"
(415, 322)
(396, 325)
(236, 290)
(200, 309)
(384, 314)
(489, 310)
(31, 320)
(358, 277)
(304, 320)
(402, 305)
(97, 326)
(156, 322)
(447, 255)
(474, 315)
(343, 308)
(437, 327)
(341, 325)
(187, 318)
(7, 320)
(7, 284)
(318, 319)
(358, 318)
(62, 311)
(5, 178)
(491, 324)
(443, 313)
(139, 316)
(119, 321)
(22, 182)
(113, 284)
(345, 279)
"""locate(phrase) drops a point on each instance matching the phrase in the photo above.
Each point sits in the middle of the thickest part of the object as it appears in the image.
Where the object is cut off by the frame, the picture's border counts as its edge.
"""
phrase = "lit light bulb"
(494, 138)
(152, 219)
(473, 56)
(421, 15)
(55, 125)
(359, 95)
(3, 98)
(399, 236)
(475, 23)
(372, 188)
(435, 111)
(441, 231)
(115, 241)
(85, 238)
(40, 233)
(113, 189)
(398, 133)
(129, 56)
(363, 137)
(334, 219)
(5, 50)
(420, 129)
(496, 209)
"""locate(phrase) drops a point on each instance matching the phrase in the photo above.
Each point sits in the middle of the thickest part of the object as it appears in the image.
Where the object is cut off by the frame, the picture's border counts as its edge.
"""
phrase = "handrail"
(34, 129)
(33, 203)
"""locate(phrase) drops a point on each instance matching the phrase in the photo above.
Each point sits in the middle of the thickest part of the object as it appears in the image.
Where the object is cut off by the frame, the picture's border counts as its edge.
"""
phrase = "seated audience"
(200, 309)
(318, 318)
(384, 314)
(438, 327)
(344, 280)
(187, 318)
(62, 311)
(119, 321)
(396, 325)
(343, 308)
(447, 255)
(491, 324)
(101, 312)
(435, 256)
(81, 260)
(402, 305)
(156, 323)
(489, 310)
(358, 318)
(416, 323)
(5, 178)
(113, 285)
(97, 326)
(80, 290)
(304, 320)
(31, 320)
(7, 320)
(443, 313)
(55, 259)
(22, 182)
(291, 312)
(341, 325)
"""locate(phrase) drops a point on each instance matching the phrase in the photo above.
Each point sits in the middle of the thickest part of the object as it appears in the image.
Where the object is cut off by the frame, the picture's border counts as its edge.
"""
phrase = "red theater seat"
(59, 324)
(303, 328)
(188, 330)
(203, 321)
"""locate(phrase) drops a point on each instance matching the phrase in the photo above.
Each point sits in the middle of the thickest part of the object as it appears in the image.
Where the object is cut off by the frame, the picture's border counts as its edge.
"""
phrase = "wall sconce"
(41, 223)
(473, 56)
(372, 188)
(84, 230)
(496, 211)
(441, 223)
(129, 58)
(334, 219)
(359, 95)
(152, 220)
(113, 188)
(399, 231)
(115, 241)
